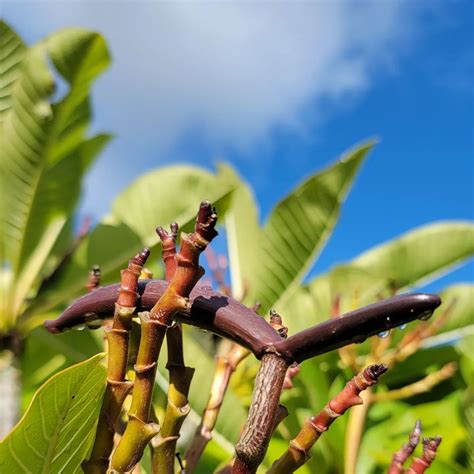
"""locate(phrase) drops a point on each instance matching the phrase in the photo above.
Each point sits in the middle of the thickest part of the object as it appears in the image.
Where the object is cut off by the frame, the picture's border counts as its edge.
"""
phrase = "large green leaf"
(56, 432)
(153, 199)
(45, 354)
(12, 50)
(164, 195)
(420, 255)
(298, 228)
(410, 260)
(346, 286)
(243, 233)
(45, 152)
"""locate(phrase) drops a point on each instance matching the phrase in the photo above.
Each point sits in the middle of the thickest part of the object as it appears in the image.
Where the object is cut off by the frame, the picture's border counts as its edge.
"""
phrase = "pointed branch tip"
(141, 258)
(174, 230)
(376, 370)
(206, 221)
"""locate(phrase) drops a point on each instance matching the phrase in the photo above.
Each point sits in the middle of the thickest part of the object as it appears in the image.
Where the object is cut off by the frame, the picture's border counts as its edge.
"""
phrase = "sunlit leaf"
(243, 233)
(56, 432)
(420, 255)
(298, 228)
(45, 150)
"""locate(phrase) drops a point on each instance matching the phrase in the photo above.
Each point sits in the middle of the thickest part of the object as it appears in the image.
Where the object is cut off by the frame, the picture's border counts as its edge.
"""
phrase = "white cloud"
(232, 71)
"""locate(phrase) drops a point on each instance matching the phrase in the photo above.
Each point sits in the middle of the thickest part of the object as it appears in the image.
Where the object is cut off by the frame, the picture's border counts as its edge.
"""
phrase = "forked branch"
(154, 325)
(400, 457)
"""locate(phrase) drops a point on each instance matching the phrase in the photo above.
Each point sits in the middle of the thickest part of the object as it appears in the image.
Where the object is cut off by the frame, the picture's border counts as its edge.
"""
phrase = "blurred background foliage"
(46, 255)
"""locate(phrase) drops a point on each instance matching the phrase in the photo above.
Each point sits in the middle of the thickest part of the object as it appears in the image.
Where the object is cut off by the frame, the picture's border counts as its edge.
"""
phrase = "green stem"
(139, 430)
(163, 453)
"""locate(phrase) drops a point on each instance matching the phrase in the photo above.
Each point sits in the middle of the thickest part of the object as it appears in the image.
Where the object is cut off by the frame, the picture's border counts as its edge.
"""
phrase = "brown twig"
(117, 385)
(400, 457)
(154, 324)
(299, 450)
(430, 448)
(293, 370)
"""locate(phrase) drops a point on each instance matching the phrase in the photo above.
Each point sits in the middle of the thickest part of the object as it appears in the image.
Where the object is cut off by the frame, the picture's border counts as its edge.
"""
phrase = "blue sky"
(281, 89)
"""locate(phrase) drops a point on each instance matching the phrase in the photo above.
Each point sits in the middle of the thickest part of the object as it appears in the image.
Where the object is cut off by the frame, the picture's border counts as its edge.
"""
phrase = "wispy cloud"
(232, 71)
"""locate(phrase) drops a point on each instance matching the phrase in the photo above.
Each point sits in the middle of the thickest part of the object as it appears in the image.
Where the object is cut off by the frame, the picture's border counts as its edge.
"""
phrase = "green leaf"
(346, 286)
(149, 201)
(461, 297)
(56, 432)
(243, 232)
(298, 228)
(45, 354)
(164, 195)
(45, 152)
(12, 50)
(420, 255)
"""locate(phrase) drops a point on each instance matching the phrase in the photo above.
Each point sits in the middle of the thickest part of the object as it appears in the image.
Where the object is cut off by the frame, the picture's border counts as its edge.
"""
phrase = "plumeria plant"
(253, 367)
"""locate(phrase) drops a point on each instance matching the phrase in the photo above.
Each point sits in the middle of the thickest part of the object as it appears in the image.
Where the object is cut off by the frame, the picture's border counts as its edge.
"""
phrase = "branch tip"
(141, 258)
(94, 278)
(373, 372)
(174, 230)
(206, 221)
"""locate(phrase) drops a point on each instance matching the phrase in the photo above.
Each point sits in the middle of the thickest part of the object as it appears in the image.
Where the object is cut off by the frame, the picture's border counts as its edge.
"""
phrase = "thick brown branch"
(253, 442)
(299, 450)
(357, 326)
(226, 317)
(400, 457)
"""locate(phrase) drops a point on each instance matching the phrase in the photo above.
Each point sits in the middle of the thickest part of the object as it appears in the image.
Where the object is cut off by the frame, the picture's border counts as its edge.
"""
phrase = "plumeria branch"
(117, 385)
(430, 448)
(154, 325)
(400, 457)
(180, 376)
(299, 450)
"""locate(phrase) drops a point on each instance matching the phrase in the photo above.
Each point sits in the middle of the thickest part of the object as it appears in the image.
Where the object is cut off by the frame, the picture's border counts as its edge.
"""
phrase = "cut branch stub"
(253, 442)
